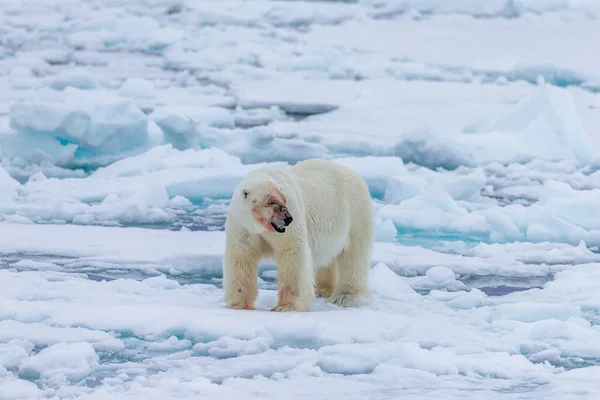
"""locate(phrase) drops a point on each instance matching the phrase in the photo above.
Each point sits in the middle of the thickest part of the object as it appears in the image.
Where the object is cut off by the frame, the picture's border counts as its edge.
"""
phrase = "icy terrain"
(125, 125)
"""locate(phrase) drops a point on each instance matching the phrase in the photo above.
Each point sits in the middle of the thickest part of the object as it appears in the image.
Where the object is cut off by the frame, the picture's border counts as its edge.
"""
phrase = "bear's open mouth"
(280, 229)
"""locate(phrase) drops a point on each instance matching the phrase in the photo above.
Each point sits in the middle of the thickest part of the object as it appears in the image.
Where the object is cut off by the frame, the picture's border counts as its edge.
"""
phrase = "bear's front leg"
(240, 279)
(295, 280)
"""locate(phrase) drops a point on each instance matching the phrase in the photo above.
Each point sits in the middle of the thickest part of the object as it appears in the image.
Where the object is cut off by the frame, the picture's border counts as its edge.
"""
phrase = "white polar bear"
(313, 219)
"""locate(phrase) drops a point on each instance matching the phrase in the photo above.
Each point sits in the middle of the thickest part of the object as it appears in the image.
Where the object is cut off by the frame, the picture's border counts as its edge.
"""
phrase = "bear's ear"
(245, 194)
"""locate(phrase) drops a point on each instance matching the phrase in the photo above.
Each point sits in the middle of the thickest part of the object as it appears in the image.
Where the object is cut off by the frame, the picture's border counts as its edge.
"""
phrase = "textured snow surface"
(126, 125)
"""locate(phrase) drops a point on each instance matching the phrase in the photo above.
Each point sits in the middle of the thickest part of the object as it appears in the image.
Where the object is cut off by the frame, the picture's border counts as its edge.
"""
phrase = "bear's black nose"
(288, 220)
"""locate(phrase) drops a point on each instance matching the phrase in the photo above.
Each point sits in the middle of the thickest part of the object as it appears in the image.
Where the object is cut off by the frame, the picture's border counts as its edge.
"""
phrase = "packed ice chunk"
(60, 363)
(246, 118)
(400, 188)
(166, 157)
(466, 300)
(438, 277)
(386, 284)
(23, 78)
(215, 183)
(180, 202)
(104, 30)
(425, 148)
(56, 56)
(545, 125)
(18, 219)
(8, 185)
(291, 96)
(35, 265)
(79, 78)
(378, 172)
(138, 88)
(171, 344)
(460, 185)
(147, 204)
(161, 282)
(533, 223)
(226, 347)
(354, 359)
(182, 118)
(385, 230)
(260, 145)
(431, 210)
(464, 186)
(37, 117)
(394, 123)
(14, 388)
(578, 207)
(14, 351)
(43, 335)
(538, 253)
(551, 328)
(185, 127)
(82, 125)
(463, 202)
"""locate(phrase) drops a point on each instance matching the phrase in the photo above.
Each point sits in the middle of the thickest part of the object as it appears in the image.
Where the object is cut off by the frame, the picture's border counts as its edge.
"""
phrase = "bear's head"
(265, 207)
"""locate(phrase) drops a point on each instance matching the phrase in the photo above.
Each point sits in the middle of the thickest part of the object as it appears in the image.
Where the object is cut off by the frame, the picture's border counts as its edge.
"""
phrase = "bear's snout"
(284, 214)
(281, 218)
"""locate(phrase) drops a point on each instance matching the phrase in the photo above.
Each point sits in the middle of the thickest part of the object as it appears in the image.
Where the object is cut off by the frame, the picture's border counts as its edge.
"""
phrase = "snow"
(126, 125)
(152, 316)
(60, 362)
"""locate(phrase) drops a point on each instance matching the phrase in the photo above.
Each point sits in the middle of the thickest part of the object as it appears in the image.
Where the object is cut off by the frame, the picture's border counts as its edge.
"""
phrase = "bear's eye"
(272, 203)
(245, 194)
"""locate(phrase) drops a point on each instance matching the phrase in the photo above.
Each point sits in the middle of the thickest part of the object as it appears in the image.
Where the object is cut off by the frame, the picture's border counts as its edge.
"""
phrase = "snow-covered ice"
(125, 126)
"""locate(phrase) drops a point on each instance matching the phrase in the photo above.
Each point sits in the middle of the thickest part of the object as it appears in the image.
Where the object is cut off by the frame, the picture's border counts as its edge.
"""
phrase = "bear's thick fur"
(315, 220)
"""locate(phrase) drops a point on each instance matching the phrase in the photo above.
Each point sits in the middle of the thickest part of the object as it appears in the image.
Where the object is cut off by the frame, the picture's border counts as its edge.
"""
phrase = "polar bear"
(315, 220)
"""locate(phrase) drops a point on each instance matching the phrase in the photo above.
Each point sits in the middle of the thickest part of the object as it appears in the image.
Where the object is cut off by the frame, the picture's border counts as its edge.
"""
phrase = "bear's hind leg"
(326, 279)
(353, 266)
